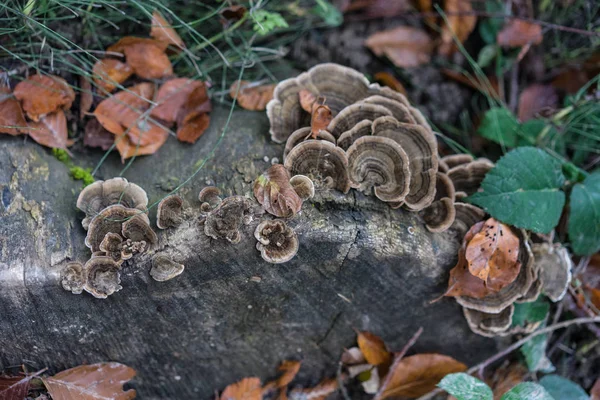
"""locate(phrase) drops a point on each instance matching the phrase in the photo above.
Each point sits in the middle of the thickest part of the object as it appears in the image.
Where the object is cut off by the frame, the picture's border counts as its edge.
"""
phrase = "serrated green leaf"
(489, 27)
(563, 389)
(529, 132)
(527, 391)
(534, 352)
(523, 190)
(486, 55)
(329, 13)
(266, 21)
(465, 387)
(535, 311)
(501, 126)
(584, 217)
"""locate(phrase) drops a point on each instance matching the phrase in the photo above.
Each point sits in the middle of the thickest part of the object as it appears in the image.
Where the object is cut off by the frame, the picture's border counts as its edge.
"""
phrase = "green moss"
(82, 174)
(61, 155)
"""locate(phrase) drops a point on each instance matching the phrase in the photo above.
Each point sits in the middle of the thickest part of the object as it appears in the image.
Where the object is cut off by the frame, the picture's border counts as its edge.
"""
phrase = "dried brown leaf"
(14, 387)
(535, 99)
(289, 371)
(196, 104)
(44, 94)
(405, 46)
(92, 382)
(307, 99)
(50, 130)
(595, 392)
(319, 392)
(246, 389)
(86, 99)
(378, 8)
(459, 25)
(12, 120)
(163, 31)
(373, 348)
(426, 6)
(172, 96)
(417, 375)
(252, 97)
(275, 193)
(517, 33)
(389, 80)
(193, 129)
(96, 136)
(109, 73)
(507, 377)
(146, 57)
(232, 14)
(320, 119)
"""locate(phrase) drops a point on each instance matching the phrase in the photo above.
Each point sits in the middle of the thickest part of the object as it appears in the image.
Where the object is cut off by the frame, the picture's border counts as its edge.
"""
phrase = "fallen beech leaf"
(92, 382)
(163, 31)
(307, 99)
(576, 76)
(193, 129)
(507, 377)
(492, 254)
(146, 57)
(14, 387)
(86, 99)
(389, 80)
(371, 9)
(12, 120)
(290, 370)
(50, 130)
(517, 33)
(459, 25)
(128, 148)
(373, 348)
(96, 136)
(536, 98)
(196, 104)
(417, 375)
(319, 392)
(252, 97)
(109, 73)
(321, 117)
(594, 296)
(595, 392)
(488, 85)
(172, 96)
(246, 389)
(232, 14)
(405, 46)
(43, 94)
(426, 6)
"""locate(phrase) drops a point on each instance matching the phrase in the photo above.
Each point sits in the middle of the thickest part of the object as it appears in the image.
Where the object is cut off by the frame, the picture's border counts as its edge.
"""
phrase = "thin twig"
(340, 382)
(515, 346)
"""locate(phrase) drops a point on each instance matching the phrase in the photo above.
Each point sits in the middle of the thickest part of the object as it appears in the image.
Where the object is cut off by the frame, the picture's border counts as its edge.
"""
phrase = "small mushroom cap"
(420, 146)
(163, 268)
(103, 278)
(111, 246)
(303, 186)
(555, 267)
(209, 197)
(322, 161)
(277, 242)
(339, 85)
(275, 193)
(455, 160)
(72, 277)
(353, 114)
(363, 128)
(169, 212)
(398, 110)
(225, 221)
(468, 177)
(302, 134)
(467, 215)
(490, 325)
(109, 220)
(129, 248)
(380, 163)
(494, 303)
(137, 229)
(101, 194)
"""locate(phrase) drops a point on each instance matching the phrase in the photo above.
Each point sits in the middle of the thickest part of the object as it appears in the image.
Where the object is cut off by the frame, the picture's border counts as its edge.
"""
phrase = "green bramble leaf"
(535, 311)
(527, 391)
(534, 352)
(266, 21)
(465, 387)
(500, 126)
(584, 216)
(562, 388)
(523, 190)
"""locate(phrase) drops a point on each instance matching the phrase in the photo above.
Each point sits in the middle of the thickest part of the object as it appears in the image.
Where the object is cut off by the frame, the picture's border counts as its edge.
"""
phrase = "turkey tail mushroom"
(277, 242)
(169, 212)
(110, 220)
(467, 177)
(301, 135)
(72, 277)
(209, 198)
(439, 216)
(164, 269)
(102, 277)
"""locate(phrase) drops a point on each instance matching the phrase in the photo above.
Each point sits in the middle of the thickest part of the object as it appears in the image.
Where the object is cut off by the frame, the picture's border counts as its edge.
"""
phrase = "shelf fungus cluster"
(500, 268)
(118, 229)
(374, 142)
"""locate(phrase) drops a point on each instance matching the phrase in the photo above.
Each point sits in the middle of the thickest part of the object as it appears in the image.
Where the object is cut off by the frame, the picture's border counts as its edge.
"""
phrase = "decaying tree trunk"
(230, 314)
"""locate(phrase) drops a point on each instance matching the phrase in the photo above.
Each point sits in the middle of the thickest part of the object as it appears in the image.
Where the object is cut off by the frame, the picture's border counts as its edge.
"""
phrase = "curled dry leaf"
(275, 193)
(417, 375)
(12, 120)
(163, 31)
(193, 129)
(86, 99)
(405, 46)
(109, 73)
(172, 96)
(492, 254)
(389, 80)
(92, 382)
(15, 387)
(196, 104)
(251, 96)
(44, 94)
(517, 33)
(246, 389)
(146, 57)
(373, 348)
(459, 24)
(319, 392)
(307, 99)
(96, 136)
(320, 118)
(289, 371)
(535, 99)
(50, 130)
(507, 377)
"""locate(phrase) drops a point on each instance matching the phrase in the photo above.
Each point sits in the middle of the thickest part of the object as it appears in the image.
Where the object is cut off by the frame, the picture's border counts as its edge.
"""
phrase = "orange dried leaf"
(594, 296)
(425, 6)
(246, 389)
(417, 375)
(535, 99)
(12, 120)
(405, 46)
(128, 41)
(44, 94)
(164, 32)
(289, 371)
(459, 25)
(193, 129)
(196, 104)
(96, 136)
(86, 99)
(373, 348)
(517, 33)
(307, 99)
(319, 392)
(321, 117)
(506, 378)
(50, 130)
(389, 80)
(252, 97)
(128, 148)
(492, 254)
(146, 57)
(172, 96)
(109, 73)
(92, 382)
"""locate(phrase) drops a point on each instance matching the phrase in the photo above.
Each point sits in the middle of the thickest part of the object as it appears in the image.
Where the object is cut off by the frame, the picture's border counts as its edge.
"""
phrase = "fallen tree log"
(229, 314)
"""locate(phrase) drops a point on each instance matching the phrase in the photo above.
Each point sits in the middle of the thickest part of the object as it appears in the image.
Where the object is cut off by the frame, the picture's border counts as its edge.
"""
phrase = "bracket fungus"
(101, 194)
(169, 212)
(164, 269)
(454, 160)
(102, 277)
(72, 277)
(112, 246)
(439, 216)
(110, 220)
(555, 267)
(209, 198)
(301, 135)
(379, 163)
(490, 325)
(325, 163)
(399, 110)
(467, 177)
(275, 193)
(465, 217)
(137, 229)
(277, 242)
(303, 186)
(226, 220)
(355, 113)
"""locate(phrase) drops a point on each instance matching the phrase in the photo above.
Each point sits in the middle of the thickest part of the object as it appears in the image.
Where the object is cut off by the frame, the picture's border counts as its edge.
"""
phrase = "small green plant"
(76, 172)
(266, 21)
